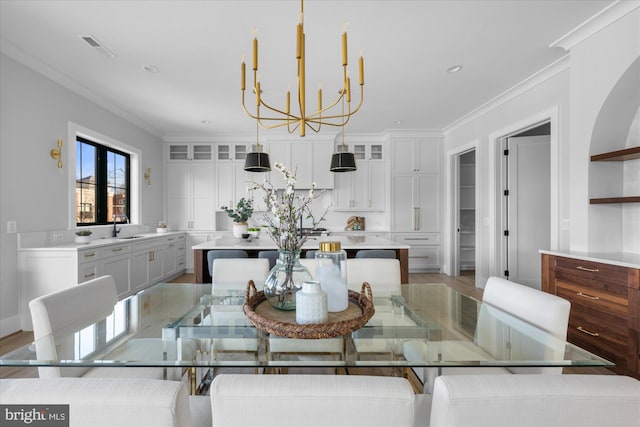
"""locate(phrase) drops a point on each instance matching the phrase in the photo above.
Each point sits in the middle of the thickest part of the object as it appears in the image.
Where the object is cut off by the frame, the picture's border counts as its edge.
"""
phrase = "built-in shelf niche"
(631, 153)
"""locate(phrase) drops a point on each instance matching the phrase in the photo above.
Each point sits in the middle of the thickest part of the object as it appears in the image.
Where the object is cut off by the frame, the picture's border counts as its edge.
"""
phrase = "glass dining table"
(209, 321)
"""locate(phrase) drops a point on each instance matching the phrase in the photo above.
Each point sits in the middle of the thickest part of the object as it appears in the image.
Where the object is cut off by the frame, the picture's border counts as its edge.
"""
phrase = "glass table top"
(198, 325)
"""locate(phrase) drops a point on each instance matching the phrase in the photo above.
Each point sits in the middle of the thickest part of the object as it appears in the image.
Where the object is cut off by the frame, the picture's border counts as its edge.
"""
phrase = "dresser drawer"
(592, 270)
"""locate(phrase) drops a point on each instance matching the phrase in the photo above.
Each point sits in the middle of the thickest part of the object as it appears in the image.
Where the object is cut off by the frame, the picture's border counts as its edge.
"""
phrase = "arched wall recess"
(611, 226)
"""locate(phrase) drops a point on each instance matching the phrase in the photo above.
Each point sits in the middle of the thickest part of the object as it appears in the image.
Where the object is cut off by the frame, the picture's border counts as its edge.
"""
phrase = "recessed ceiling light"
(397, 122)
(205, 122)
(151, 68)
(454, 69)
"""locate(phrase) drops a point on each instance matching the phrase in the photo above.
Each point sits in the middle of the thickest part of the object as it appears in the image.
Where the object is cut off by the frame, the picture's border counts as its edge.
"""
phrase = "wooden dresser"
(605, 305)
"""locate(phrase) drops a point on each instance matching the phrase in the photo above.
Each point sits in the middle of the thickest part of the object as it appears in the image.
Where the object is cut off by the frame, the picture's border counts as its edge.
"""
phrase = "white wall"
(34, 113)
(537, 101)
(577, 93)
(597, 64)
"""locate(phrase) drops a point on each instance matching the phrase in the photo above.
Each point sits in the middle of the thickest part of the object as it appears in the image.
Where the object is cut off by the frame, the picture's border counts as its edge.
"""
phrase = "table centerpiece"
(283, 223)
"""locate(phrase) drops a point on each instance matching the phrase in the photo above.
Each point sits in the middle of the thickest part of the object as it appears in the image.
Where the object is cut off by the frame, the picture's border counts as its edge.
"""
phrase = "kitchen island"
(351, 244)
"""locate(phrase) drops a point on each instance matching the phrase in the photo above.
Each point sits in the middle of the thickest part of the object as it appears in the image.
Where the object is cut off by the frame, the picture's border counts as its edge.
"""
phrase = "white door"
(528, 207)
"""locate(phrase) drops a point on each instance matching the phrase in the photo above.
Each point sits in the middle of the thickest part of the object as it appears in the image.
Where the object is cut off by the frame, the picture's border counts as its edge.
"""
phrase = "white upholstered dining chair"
(57, 316)
(236, 272)
(529, 306)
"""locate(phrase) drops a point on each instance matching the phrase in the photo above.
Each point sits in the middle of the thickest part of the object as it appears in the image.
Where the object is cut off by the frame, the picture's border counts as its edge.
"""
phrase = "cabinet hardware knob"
(591, 270)
(593, 334)
(587, 295)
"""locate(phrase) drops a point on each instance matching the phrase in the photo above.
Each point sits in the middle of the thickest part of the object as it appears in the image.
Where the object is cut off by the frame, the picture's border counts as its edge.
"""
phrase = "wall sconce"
(147, 176)
(56, 153)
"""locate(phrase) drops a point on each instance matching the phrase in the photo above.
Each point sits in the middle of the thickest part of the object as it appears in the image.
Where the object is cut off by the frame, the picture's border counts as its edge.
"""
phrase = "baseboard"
(10, 325)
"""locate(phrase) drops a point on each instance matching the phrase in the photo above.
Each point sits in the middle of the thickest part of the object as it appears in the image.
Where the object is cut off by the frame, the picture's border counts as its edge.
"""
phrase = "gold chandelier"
(322, 116)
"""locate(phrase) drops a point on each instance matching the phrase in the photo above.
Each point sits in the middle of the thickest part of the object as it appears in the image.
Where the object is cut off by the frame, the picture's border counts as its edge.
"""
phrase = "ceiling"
(197, 48)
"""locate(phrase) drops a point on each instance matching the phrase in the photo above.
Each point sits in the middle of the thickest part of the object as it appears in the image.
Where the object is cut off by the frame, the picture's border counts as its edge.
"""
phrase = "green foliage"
(83, 233)
(242, 212)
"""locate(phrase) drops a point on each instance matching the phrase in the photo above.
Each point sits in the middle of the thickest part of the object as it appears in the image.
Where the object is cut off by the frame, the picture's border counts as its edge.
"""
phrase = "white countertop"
(99, 242)
(264, 242)
(621, 259)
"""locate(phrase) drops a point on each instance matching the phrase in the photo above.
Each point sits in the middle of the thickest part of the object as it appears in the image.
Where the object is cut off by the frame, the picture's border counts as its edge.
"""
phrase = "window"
(102, 184)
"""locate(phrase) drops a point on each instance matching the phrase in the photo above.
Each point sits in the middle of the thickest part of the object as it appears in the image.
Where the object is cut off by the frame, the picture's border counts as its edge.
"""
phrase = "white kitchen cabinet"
(415, 201)
(116, 262)
(232, 180)
(192, 240)
(134, 266)
(189, 152)
(191, 195)
(424, 250)
(310, 159)
(365, 188)
(415, 154)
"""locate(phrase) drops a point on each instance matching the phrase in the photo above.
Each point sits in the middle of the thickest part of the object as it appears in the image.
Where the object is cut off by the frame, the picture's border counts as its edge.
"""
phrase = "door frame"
(496, 201)
(451, 265)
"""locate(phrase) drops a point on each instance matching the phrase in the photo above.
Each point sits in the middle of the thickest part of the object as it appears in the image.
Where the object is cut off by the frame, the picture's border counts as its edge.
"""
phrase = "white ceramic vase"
(239, 228)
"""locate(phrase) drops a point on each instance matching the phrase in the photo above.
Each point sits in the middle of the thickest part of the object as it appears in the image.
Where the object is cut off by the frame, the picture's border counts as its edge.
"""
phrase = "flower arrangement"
(242, 212)
(285, 210)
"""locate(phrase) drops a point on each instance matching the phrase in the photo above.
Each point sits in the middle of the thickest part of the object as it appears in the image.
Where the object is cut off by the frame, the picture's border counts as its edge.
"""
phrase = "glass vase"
(285, 279)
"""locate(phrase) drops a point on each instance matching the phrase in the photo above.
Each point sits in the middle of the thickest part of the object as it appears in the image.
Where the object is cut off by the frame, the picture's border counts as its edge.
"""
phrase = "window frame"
(102, 181)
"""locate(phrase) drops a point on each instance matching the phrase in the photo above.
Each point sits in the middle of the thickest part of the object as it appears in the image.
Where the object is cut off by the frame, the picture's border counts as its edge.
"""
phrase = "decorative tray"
(283, 323)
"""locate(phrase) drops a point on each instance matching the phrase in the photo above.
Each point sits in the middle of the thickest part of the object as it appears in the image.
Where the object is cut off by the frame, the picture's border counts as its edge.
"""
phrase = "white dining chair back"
(234, 273)
(57, 315)
(383, 275)
(310, 263)
(540, 309)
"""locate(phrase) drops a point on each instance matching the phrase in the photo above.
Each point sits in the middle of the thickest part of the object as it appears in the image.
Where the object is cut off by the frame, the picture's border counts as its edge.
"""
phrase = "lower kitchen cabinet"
(424, 250)
(134, 266)
(605, 306)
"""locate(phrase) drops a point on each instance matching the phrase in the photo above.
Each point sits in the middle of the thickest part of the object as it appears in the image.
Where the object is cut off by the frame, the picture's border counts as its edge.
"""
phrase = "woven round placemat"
(283, 323)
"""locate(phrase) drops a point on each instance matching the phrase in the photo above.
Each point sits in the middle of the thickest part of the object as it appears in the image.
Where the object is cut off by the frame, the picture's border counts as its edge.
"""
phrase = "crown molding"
(24, 58)
(596, 23)
(527, 84)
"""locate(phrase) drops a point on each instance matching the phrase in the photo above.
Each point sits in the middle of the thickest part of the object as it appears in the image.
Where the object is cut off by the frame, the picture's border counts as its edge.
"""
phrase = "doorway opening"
(463, 191)
(525, 190)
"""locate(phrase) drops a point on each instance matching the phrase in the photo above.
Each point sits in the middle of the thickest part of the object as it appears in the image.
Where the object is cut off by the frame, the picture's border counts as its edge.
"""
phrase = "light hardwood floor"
(463, 284)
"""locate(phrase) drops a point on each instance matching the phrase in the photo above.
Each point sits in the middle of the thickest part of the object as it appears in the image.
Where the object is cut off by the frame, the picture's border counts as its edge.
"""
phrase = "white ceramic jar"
(311, 304)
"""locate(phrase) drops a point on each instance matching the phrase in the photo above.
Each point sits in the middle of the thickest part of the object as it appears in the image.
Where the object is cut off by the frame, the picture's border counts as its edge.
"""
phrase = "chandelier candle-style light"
(322, 116)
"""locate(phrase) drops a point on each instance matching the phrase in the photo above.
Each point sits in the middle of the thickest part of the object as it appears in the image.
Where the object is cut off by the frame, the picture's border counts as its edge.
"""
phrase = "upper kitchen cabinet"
(415, 154)
(189, 152)
(231, 179)
(364, 189)
(309, 159)
(190, 195)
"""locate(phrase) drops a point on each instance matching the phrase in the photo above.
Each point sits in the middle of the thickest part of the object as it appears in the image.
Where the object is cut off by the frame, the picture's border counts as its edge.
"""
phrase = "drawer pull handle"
(587, 295)
(593, 334)
(90, 255)
(416, 238)
(86, 276)
(591, 270)
(116, 250)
